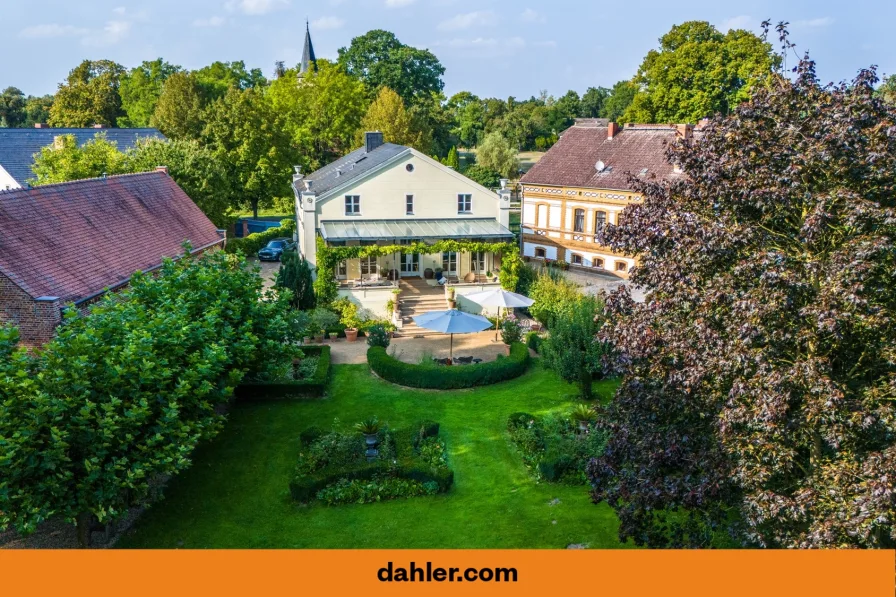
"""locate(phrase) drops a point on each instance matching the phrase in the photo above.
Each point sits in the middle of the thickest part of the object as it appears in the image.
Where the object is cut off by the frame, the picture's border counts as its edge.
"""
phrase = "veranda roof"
(342, 230)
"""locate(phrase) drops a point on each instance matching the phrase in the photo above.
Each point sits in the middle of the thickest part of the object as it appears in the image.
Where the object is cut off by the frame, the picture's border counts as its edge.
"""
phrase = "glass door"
(478, 262)
(410, 264)
(449, 263)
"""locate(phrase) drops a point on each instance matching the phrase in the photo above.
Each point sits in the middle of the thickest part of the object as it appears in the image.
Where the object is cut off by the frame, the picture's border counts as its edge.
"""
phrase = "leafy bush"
(484, 176)
(349, 316)
(553, 448)
(313, 386)
(250, 245)
(378, 337)
(333, 467)
(534, 341)
(511, 332)
(554, 296)
(322, 320)
(295, 275)
(448, 378)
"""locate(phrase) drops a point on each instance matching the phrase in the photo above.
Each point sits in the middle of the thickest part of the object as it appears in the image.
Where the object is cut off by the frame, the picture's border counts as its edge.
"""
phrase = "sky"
(494, 48)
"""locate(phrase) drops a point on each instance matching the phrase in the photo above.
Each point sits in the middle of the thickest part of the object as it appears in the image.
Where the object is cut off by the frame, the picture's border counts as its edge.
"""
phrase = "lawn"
(236, 495)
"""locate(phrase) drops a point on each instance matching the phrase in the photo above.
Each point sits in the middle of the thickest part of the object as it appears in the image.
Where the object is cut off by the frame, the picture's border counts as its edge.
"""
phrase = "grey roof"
(341, 230)
(18, 146)
(351, 166)
(309, 60)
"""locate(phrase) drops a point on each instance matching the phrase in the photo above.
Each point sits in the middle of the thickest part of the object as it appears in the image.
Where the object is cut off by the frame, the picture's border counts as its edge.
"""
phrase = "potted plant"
(351, 321)
(562, 264)
(451, 291)
(583, 415)
(321, 320)
(369, 428)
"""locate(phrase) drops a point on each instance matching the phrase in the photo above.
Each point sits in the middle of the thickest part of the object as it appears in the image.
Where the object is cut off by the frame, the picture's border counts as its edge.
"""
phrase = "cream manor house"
(387, 194)
(581, 184)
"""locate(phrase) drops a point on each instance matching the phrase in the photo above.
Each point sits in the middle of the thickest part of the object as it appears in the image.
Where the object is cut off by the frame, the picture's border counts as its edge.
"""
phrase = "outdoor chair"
(464, 360)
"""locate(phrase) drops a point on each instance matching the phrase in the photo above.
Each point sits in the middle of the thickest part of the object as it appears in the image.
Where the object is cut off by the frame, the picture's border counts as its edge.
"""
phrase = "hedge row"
(250, 245)
(448, 378)
(313, 387)
(407, 464)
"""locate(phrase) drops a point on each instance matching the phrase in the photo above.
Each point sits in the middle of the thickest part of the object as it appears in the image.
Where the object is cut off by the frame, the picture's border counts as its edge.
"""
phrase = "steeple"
(308, 57)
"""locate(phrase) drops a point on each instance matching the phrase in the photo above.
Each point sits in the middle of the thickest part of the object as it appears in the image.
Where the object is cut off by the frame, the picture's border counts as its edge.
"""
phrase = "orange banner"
(396, 572)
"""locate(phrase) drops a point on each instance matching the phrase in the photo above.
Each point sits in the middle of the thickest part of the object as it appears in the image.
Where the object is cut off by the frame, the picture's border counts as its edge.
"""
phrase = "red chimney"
(162, 169)
(41, 125)
(612, 129)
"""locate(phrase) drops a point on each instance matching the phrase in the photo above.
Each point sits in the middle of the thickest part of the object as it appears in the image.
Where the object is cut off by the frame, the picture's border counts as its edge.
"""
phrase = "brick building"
(70, 243)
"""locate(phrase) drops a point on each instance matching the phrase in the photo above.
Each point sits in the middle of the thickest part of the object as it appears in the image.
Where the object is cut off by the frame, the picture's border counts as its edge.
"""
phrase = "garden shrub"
(333, 467)
(511, 332)
(312, 387)
(534, 341)
(552, 447)
(377, 336)
(448, 378)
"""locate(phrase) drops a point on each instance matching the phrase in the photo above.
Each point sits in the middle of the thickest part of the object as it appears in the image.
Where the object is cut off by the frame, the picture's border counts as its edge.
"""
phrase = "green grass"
(236, 496)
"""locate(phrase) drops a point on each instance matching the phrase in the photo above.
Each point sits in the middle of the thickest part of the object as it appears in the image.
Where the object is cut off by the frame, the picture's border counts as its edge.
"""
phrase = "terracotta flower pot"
(351, 334)
(452, 304)
(318, 338)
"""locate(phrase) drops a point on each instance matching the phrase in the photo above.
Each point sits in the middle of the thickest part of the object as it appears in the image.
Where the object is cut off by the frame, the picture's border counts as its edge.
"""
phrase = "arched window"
(579, 221)
(621, 266)
(600, 218)
(597, 262)
(576, 259)
(539, 253)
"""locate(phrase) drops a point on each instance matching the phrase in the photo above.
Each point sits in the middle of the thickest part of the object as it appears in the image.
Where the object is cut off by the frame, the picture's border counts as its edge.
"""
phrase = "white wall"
(529, 250)
(434, 187)
(7, 181)
(371, 300)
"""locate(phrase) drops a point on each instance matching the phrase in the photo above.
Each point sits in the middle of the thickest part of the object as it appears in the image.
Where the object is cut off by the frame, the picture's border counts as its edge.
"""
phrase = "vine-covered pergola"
(326, 286)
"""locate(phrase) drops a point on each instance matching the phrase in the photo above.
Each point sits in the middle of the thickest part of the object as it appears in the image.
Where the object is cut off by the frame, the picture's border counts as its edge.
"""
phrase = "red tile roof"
(572, 160)
(74, 239)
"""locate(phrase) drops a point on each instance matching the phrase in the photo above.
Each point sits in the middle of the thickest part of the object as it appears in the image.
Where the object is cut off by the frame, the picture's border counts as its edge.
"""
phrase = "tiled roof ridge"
(80, 180)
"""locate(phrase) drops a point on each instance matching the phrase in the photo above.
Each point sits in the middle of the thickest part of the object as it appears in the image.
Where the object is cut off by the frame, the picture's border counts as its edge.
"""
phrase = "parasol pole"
(451, 349)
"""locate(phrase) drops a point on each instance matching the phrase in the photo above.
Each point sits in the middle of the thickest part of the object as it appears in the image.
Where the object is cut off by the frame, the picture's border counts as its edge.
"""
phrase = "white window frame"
(369, 264)
(464, 203)
(353, 205)
(409, 204)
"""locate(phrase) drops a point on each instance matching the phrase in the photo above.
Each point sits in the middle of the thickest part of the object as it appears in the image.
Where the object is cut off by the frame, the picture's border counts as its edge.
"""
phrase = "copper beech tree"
(759, 395)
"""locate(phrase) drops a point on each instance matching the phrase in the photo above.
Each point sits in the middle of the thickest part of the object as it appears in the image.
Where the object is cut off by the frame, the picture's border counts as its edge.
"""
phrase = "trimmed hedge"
(303, 388)
(448, 378)
(407, 464)
(250, 245)
(534, 341)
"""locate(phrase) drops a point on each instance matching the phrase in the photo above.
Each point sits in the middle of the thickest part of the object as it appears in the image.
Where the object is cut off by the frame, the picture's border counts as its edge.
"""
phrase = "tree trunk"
(585, 384)
(255, 209)
(84, 520)
(815, 451)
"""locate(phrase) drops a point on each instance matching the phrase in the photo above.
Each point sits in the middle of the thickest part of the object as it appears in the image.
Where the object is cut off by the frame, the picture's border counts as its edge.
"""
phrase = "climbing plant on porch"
(326, 286)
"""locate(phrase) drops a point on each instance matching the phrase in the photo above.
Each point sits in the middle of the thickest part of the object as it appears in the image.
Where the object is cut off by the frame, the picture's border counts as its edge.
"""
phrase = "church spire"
(308, 57)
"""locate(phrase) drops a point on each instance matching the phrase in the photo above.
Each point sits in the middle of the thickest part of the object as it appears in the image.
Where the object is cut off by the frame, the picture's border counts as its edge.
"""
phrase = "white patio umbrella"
(499, 297)
(452, 322)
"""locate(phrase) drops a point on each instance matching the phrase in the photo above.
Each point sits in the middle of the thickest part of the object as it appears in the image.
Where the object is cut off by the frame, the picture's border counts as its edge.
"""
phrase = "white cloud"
(820, 22)
(256, 7)
(327, 23)
(532, 16)
(479, 18)
(738, 22)
(209, 22)
(51, 30)
(111, 34)
(399, 3)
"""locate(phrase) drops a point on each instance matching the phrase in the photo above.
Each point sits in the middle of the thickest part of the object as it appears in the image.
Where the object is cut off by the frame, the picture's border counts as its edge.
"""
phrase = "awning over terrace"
(342, 230)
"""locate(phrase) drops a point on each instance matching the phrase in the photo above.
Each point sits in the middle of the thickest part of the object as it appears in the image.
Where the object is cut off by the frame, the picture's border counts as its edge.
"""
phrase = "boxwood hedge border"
(448, 378)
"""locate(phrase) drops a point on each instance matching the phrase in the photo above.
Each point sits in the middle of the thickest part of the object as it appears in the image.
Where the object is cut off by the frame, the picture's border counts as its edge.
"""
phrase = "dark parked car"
(274, 249)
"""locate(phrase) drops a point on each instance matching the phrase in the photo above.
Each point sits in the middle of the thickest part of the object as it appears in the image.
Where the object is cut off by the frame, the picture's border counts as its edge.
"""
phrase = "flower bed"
(311, 385)
(553, 447)
(333, 467)
(449, 378)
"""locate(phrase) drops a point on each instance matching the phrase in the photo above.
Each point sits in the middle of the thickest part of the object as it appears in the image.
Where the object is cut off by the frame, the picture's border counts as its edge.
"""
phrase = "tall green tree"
(246, 133)
(561, 113)
(321, 113)
(90, 95)
(380, 60)
(887, 90)
(388, 114)
(759, 395)
(37, 110)
(12, 108)
(140, 89)
(574, 349)
(497, 154)
(179, 110)
(295, 276)
(468, 113)
(620, 98)
(218, 78)
(64, 160)
(593, 102)
(698, 72)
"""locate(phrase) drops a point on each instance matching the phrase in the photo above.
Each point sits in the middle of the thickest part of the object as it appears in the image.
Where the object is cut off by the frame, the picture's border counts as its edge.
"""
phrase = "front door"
(410, 264)
(478, 262)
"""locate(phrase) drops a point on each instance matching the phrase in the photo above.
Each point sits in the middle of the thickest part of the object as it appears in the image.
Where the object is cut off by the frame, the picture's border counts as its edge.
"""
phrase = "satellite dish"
(599, 166)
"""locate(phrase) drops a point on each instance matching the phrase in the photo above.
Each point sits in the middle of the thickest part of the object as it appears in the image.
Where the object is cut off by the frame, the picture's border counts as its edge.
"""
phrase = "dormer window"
(353, 205)
(464, 204)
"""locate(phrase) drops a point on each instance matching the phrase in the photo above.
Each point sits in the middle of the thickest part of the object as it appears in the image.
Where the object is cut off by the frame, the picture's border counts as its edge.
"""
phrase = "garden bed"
(334, 467)
(553, 447)
(438, 377)
(305, 382)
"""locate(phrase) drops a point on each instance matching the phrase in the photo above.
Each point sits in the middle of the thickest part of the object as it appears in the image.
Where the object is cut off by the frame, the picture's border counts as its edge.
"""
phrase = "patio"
(412, 350)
